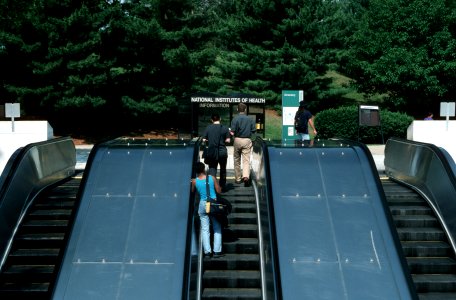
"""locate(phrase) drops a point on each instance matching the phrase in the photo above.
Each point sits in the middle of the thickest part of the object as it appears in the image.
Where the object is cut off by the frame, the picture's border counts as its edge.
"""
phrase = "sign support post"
(447, 109)
(12, 110)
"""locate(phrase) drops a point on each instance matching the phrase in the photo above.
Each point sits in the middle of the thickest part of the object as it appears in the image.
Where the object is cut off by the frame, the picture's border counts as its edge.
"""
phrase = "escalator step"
(244, 230)
(241, 198)
(56, 203)
(42, 237)
(435, 283)
(231, 294)
(426, 249)
(404, 201)
(27, 273)
(231, 279)
(431, 265)
(20, 287)
(50, 213)
(241, 245)
(244, 208)
(33, 256)
(420, 234)
(403, 210)
(39, 240)
(234, 262)
(416, 221)
(437, 296)
(43, 227)
(242, 218)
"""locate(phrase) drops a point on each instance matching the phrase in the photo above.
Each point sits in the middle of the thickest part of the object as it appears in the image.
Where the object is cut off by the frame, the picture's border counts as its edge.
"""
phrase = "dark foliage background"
(119, 65)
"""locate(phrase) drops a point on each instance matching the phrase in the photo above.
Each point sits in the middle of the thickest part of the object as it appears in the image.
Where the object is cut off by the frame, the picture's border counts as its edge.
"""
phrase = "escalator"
(429, 255)
(36, 252)
(236, 275)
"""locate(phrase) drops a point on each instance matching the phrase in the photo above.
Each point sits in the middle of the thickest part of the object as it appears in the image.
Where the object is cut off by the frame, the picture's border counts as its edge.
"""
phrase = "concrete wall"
(435, 132)
(25, 132)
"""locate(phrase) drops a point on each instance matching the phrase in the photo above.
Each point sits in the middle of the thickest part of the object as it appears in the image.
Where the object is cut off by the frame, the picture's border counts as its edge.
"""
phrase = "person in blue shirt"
(199, 184)
(429, 117)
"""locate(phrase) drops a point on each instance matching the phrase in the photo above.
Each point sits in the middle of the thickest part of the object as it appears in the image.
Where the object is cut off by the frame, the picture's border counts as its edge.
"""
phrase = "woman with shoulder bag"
(199, 183)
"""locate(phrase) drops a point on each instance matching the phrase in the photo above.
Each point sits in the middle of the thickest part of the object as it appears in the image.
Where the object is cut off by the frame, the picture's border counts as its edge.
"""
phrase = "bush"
(343, 123)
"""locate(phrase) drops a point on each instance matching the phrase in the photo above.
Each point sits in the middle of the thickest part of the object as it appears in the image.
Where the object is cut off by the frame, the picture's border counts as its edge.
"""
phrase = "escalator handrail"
(260, 243)
(30, 170)
(270, 285)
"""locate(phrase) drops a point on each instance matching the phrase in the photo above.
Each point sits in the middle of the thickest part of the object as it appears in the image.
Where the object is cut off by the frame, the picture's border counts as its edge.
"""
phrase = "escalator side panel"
(130, 234)
(430, 171)
(29, 171)
(334, 238)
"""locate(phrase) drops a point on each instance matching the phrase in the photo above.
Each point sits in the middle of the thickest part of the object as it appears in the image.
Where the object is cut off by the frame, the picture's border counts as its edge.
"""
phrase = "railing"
(195, 248)
(268, 269)
(431, 172)
(261, 182)
(30, 170)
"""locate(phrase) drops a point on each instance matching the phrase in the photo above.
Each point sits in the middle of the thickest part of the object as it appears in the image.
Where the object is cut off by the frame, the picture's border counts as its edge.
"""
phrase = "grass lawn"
(273, 125)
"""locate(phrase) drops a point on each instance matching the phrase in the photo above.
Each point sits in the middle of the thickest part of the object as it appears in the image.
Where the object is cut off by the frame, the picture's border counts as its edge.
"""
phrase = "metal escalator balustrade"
(334, 234)
(27, 271)
(30, 170)
(424, 210)
(132, 237)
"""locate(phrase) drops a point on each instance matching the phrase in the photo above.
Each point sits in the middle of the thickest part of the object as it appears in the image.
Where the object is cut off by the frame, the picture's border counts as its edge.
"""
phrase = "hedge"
(342, 122)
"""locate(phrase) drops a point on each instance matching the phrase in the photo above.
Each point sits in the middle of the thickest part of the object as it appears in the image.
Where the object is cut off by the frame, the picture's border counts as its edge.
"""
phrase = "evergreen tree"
(405, 49)
(267, 46)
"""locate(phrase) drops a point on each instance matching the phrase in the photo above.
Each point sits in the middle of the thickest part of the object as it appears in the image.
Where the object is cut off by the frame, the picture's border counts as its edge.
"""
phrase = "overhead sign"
(248, 100)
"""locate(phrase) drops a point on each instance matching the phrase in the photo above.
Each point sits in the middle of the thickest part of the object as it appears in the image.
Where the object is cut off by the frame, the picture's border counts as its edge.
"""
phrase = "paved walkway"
(378, 153)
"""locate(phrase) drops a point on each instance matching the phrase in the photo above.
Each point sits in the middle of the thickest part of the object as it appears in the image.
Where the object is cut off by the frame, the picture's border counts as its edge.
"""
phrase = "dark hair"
(242, 107)
(200, 168)
(215, 117)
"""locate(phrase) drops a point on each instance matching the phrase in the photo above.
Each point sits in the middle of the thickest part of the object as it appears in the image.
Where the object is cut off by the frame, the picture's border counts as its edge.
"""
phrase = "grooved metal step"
(236, 275)
(32, 263)
(232, 294)
(424, 243)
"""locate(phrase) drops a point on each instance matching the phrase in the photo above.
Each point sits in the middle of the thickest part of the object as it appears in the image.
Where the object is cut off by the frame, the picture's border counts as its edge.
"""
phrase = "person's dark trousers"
(213, 170)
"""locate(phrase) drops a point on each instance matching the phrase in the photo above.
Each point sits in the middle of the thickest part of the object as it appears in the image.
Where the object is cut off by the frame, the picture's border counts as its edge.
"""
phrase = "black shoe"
(218, 254)
(207, 255)
(246, 182)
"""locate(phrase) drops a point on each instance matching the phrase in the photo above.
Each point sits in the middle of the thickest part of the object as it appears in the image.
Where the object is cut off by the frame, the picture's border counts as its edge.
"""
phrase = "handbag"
(210, 155)
(213, 207)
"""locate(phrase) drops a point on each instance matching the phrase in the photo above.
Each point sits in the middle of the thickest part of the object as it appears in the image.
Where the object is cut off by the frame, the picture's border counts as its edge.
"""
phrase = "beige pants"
(242, 148)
